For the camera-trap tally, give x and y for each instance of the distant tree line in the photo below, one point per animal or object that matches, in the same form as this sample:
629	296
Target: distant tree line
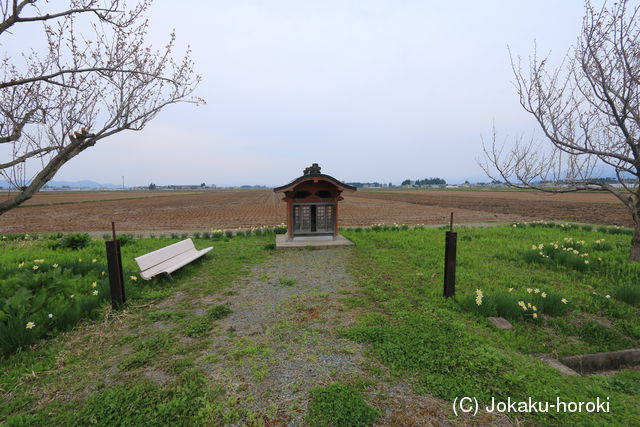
426	181
368	184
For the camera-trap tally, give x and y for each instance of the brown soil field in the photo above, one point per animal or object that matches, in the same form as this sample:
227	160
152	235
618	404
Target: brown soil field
591	207
59	197
223	209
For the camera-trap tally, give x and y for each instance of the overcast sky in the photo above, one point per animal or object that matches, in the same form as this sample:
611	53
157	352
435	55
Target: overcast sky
370	90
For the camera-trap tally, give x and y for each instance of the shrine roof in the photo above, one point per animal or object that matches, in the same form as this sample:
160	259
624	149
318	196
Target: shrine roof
313	174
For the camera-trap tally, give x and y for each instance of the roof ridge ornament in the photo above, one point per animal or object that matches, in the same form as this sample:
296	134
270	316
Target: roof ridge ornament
314	169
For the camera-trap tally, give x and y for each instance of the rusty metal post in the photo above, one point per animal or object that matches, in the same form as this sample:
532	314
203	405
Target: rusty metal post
450	260
114	262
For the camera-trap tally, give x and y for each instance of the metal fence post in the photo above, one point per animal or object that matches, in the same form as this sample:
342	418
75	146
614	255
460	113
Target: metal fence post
450	261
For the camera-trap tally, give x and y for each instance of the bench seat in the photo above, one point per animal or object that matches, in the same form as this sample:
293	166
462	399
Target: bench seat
168	259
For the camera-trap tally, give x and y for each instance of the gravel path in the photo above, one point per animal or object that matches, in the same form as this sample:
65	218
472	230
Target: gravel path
281	341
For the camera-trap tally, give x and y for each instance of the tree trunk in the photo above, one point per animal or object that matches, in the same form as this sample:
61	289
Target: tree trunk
75	147
634	253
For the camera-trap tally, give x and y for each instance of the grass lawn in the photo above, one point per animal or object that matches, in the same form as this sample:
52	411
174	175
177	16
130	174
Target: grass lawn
448	347
53	381
145	365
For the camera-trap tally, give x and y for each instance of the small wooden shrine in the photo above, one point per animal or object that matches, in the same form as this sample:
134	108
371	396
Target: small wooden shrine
312	203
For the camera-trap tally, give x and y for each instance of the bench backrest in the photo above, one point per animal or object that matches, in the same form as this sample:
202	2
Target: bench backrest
156	257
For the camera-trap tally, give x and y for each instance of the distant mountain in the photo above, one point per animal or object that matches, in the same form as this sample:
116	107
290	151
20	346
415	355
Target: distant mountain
84	184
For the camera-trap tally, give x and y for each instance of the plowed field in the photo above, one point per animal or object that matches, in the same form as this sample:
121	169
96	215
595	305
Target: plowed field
205	210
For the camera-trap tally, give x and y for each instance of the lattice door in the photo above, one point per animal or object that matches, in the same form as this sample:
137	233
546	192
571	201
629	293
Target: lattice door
302	219
325	217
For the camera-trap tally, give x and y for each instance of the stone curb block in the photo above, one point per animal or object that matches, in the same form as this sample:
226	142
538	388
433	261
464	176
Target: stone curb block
603	361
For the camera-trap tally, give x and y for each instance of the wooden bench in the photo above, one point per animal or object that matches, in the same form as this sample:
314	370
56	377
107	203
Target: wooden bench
168	259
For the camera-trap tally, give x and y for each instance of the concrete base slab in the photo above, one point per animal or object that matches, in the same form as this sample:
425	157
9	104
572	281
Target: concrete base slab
312	238
318	242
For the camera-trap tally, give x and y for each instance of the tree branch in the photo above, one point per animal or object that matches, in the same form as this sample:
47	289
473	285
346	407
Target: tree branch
47	77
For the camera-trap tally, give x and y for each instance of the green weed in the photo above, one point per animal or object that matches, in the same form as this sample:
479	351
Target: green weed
287	282
340	405
218	312
197	327
136	360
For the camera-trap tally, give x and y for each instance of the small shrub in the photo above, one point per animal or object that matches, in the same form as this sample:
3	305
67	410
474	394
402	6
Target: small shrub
270	246
228	234
206	235
175	236
75	241
615	230
196	235
184	236
629	294
340	405
567	227
620	230
125	239
543	224
586	228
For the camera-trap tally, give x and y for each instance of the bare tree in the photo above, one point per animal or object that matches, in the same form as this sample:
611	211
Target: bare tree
588	111
94	77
